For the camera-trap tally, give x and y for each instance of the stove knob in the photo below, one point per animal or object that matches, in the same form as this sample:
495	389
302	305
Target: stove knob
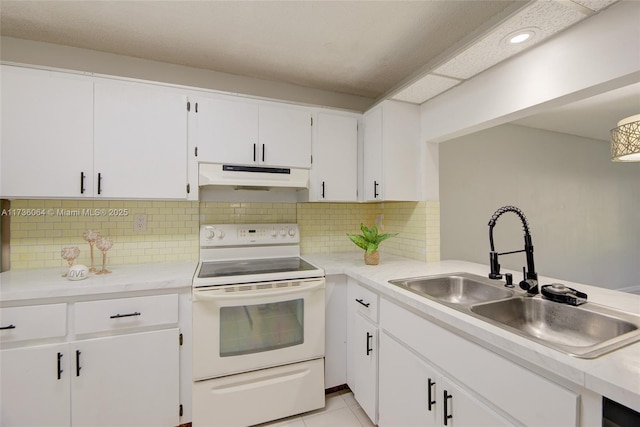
292	232
283	232
274	232
220	234
211	234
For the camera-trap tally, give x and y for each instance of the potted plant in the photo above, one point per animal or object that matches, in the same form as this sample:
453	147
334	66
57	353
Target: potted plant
369	240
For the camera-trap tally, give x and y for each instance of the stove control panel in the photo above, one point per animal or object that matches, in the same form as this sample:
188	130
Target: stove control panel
248	234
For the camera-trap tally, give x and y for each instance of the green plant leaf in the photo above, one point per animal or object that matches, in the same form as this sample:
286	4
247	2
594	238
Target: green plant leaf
359	240
370	239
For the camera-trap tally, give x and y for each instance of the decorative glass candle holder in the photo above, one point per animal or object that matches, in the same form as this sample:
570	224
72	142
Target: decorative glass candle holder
69	254
104	244
90	236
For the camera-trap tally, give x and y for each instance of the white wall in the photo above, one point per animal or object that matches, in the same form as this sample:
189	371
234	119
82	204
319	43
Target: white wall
583	209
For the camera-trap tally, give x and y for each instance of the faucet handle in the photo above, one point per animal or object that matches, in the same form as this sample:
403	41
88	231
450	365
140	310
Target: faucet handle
509	279
495	266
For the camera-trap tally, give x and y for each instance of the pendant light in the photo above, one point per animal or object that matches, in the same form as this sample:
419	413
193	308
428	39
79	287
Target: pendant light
625	140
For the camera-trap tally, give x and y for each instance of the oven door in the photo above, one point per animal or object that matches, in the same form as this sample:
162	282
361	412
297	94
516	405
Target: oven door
240	328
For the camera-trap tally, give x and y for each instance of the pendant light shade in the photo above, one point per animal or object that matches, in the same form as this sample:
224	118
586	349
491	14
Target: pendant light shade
625	140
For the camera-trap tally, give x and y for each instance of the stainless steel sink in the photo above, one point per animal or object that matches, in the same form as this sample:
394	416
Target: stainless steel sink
586	331
455	289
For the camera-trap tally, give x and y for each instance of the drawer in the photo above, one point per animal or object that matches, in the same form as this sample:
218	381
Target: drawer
33	322
365	301
125	313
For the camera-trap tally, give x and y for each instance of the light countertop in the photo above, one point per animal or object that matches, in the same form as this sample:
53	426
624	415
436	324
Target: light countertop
615	375
44	283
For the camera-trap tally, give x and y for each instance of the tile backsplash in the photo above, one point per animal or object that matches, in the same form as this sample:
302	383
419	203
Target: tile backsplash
41	228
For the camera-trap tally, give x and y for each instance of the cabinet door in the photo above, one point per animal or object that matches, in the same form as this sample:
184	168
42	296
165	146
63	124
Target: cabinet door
460	409
126	380
140	141
372	160
408	388
47	134
35	386
284	137
225	131
365	350
336	158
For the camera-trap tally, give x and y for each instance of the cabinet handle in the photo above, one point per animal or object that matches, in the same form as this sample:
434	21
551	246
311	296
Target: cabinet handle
118	316
369	349
323	189
446	414
254	152
375	189
430	385
78	367
60	370
2	328
81	182
99	183
366	304
263	150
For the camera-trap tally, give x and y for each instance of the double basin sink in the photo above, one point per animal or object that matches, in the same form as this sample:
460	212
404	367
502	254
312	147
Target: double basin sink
585	331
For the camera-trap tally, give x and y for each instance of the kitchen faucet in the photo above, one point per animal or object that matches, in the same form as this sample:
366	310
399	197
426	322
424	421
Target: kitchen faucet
530	280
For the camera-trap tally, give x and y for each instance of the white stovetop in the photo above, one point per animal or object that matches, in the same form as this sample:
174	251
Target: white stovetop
615	375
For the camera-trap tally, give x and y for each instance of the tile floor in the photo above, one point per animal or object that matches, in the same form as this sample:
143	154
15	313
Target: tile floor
341	410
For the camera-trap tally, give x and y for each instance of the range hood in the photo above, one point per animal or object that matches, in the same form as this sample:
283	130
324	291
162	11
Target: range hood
251	177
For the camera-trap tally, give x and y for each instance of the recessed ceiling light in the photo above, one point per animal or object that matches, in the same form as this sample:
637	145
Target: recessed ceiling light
520	36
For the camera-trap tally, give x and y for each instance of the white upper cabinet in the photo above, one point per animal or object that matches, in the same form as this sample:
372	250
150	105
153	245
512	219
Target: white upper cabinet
140	141
335	159
47	134
68	135
392	153
284	137
241	132
224	131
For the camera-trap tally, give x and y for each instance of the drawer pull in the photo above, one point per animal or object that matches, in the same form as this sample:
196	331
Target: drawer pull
60	370
366	304
430	385
447	415
3	328
78	367
117	316
369	348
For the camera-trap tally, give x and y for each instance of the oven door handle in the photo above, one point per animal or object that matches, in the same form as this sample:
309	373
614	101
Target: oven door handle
202	294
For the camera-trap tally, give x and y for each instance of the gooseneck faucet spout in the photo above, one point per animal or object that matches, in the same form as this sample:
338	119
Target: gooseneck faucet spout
530	279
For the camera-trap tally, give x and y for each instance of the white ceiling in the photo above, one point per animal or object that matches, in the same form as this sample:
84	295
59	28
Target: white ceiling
406	50
592	117
355	47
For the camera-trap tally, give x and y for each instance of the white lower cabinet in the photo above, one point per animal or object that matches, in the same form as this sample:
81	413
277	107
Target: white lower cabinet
126	380
408	387
365	352
116	364
482	388
413	393
35	386
362	347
